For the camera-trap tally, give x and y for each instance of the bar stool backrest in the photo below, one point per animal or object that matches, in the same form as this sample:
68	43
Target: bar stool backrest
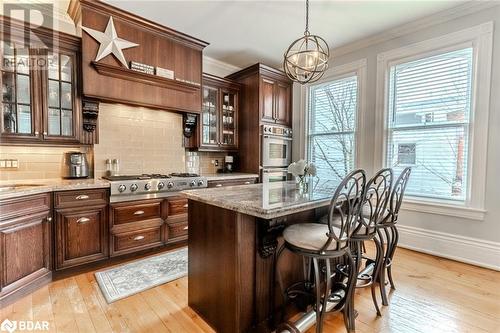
376	198
397	195
346	203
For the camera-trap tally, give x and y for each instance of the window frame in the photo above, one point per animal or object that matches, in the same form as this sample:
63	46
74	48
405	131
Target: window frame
480	39
356	68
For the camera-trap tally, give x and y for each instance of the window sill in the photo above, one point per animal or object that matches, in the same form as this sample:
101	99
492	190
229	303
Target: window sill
443	208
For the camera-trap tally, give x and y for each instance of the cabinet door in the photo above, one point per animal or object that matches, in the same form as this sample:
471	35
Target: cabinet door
19	121
26	249
210	117
81	236
267	99
61	115
282	112
229	119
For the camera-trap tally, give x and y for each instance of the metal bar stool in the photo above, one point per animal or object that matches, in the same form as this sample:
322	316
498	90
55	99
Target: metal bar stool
323	243
390	235
373	211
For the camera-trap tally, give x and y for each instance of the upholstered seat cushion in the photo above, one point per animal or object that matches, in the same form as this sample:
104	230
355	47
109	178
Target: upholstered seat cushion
309	236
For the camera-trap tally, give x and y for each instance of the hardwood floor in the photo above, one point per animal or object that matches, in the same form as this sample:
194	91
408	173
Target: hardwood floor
433	295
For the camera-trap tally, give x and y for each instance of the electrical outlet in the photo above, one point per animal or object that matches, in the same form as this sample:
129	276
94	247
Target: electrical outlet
9	164
216	162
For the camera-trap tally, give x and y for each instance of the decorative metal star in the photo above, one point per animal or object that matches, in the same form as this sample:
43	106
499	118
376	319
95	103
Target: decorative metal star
110	42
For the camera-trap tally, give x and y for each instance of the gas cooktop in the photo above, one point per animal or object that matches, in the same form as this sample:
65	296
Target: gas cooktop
135	187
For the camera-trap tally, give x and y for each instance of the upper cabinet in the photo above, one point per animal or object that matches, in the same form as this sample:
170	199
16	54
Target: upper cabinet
274	93
169	63
218	130
40	88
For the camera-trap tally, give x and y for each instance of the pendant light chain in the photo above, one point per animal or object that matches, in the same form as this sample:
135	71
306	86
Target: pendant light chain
307	18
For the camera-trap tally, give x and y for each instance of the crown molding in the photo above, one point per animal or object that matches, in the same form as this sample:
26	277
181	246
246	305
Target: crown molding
220	66
413	26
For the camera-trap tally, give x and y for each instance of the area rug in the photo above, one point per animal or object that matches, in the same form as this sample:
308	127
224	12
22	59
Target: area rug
129	279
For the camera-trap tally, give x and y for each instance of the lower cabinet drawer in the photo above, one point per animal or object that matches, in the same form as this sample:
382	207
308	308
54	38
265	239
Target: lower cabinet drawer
136	240
177	230
122	214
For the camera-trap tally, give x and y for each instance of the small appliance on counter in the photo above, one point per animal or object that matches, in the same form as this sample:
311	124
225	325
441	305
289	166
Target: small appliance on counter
75	165
228	163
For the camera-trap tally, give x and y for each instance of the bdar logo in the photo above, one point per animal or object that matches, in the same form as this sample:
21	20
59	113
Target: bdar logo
8	326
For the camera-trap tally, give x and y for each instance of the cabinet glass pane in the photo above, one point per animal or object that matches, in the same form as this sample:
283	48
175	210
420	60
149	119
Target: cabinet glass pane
23	61
209	116
53	68
54	123
67	122
66	68
24	120
9	118
228	118
8	61
8	92
66	95
23	89
54	94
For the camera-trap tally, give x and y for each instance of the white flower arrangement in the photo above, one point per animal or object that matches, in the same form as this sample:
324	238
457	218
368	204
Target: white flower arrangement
302	168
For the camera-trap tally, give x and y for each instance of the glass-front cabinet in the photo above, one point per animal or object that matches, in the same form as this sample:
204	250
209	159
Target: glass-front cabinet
17	93
39	94
61	120
219	116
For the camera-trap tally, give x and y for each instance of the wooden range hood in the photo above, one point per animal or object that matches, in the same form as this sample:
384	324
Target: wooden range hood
108	80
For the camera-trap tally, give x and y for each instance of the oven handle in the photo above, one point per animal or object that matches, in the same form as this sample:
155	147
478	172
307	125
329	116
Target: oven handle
277	137
275	170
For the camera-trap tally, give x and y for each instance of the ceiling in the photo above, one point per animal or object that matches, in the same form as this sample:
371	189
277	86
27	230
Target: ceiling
242	33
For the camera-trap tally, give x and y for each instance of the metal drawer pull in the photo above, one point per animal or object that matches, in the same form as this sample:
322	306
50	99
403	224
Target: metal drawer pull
186	206
138	238
83	220
247	183
185	228
139	212
82	197
218	185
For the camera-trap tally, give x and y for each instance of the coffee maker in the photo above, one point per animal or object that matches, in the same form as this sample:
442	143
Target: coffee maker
75	165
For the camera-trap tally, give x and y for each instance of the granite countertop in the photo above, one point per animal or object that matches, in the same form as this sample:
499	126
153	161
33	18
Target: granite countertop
229	176
35	186
264	200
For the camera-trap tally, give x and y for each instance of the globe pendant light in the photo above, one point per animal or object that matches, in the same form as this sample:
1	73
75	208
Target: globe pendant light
306	60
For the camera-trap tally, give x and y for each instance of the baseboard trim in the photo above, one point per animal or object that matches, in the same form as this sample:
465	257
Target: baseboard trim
464	249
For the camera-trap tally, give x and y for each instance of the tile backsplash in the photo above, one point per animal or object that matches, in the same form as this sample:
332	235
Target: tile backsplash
36	162
206	166
143	140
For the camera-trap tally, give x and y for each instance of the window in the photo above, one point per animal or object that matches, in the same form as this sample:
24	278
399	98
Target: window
332	127
429	106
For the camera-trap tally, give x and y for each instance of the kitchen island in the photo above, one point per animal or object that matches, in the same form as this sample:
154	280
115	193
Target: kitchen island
233	236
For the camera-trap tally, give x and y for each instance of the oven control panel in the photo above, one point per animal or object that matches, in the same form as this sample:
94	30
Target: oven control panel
277	130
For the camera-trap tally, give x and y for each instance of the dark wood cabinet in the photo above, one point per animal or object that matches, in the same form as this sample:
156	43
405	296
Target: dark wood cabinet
218	122
176	226
276	101
81	235
41	102
25	240
266	98
283	102
81	227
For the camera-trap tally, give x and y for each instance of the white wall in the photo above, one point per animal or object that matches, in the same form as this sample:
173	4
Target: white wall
459	238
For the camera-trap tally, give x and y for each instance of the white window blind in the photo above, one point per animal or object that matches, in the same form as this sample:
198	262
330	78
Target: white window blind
428	123
332	125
